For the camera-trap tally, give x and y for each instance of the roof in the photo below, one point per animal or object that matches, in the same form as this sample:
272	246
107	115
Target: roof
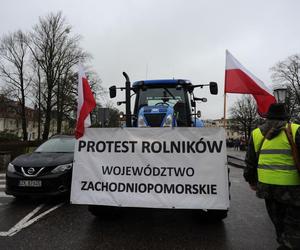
162	82
12	109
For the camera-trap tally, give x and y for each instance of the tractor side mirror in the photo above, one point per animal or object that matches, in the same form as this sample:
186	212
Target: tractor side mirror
193	103
213	87
113	91
198	114
200	99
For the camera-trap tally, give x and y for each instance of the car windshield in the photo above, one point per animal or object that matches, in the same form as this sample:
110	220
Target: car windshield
57	145
154	96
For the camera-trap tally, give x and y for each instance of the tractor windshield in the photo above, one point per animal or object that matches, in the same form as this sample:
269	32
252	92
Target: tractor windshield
161	96
176	98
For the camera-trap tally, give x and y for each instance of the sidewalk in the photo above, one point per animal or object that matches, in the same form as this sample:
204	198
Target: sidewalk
236	158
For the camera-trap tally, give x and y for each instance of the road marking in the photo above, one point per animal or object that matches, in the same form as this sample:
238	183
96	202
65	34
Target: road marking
22	221
2	181
28	220
2	175
2	186
28	223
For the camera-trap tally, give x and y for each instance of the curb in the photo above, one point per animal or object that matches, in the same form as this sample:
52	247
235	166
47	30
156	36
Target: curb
235	161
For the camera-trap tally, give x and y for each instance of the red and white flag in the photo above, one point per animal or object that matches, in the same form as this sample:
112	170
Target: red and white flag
240	80
86	103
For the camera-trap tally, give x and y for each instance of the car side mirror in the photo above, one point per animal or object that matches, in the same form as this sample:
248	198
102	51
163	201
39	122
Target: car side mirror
213	87
113	91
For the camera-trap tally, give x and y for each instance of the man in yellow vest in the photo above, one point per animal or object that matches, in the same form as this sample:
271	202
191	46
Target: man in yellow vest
272	172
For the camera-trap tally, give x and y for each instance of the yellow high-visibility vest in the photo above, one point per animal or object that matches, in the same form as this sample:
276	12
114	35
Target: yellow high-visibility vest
275	161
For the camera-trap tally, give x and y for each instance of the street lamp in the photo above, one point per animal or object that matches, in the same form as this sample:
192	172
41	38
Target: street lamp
280	93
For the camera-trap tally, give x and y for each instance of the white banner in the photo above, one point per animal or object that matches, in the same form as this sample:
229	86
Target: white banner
151	167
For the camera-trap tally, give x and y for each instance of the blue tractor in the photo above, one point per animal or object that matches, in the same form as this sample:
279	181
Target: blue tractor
163	103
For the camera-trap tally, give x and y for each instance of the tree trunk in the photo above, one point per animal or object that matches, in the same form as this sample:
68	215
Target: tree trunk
23	111
39	104
47	123
48	113
24	123
59	114
59	122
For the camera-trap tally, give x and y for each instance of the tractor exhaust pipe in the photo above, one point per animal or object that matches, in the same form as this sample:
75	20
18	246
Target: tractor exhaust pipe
128	100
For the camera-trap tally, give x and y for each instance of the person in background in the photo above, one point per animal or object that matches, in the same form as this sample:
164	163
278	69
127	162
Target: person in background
242	144
237	144
271	170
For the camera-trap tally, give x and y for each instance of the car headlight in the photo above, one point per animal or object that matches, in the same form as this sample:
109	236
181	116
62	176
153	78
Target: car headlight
62	168
168	121
141	122
11	168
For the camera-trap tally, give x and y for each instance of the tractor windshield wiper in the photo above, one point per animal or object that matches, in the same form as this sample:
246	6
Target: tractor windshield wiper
168	91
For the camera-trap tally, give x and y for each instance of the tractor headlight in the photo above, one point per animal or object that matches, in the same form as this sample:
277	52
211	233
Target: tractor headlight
168	121
11	168
141	122
62	168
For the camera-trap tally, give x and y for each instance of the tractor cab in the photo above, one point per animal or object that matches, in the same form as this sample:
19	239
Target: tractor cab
163	103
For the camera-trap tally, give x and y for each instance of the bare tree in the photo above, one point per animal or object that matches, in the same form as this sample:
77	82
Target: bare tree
288	72
56	52
13	64
37	88
245	116
113	116
67	106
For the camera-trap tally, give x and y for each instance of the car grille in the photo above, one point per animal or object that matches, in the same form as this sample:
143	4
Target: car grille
34	170
154	120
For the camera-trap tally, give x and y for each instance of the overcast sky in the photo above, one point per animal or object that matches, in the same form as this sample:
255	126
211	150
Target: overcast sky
172	38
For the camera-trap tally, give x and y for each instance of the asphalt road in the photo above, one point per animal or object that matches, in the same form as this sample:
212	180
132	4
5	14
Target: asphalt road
59	225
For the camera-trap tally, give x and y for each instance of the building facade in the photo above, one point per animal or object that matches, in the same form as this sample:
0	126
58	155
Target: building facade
11	122
230	134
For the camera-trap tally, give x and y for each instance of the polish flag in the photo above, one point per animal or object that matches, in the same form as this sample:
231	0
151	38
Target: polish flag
86	103
240	80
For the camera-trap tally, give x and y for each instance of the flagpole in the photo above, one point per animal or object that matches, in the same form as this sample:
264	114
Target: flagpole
225	97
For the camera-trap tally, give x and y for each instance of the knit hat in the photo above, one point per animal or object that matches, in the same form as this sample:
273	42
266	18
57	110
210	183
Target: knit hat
277	111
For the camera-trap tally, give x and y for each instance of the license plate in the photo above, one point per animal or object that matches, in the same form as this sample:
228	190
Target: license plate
30	183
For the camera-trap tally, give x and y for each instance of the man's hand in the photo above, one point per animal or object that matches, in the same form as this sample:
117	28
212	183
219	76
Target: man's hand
253	187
